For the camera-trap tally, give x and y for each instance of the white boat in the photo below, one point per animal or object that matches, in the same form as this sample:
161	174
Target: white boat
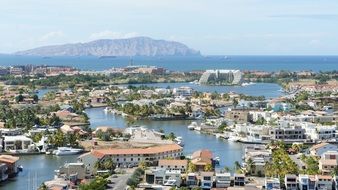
61	151
170	182
192	126
106	110
179	141
247	84
234	138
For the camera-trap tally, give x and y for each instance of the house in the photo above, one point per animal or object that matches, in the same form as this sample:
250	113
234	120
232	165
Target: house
319	149
272	184
328	162
89	160
160	176
223	180
191	180
201	158
306	182
184	91
206	180
323	182
11	163
291	182
19	143
173	164
239	116
294	133
239	179
72	171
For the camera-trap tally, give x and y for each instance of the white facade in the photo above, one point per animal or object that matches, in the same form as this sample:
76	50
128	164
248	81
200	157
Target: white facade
223	180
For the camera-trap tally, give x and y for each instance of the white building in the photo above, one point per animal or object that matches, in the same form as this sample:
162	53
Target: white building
18	143
223	180
231	77
184	91
323	182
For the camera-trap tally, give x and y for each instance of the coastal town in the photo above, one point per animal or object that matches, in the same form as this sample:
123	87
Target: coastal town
288	142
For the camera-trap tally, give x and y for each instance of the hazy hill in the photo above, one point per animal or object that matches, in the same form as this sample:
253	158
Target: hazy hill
138	46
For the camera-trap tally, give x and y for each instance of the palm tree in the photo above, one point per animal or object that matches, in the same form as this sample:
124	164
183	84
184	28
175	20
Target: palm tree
250	166
227	169
238	166
208	168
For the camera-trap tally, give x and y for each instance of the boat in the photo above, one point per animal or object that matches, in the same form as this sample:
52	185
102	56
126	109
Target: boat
179	141
170	182
106	110
192	126
234	138
217	160
20	168
61	151
247	84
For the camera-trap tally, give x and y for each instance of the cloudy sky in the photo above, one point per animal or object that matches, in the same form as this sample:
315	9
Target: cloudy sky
227	27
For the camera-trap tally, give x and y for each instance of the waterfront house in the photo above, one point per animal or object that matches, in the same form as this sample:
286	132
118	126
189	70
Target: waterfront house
323	182
19	143
206	180
201	158
239	179
291	182
72	171
191	180
272	184
293	133
11	163
320	149
321	132
173	164
223	180
306	182
89	160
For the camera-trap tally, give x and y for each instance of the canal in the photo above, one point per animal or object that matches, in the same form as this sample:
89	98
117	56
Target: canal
39	168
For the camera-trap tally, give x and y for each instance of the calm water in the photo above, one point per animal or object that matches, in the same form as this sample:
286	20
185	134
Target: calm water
43	166
228	152
37	169
269	90
266	63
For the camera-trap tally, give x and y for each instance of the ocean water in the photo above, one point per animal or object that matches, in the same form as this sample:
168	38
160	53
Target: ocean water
264	63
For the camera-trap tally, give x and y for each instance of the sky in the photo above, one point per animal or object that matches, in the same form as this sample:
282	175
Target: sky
215	27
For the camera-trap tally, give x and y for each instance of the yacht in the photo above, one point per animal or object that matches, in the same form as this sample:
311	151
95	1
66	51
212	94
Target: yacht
61	151
170	182
192	126
179	141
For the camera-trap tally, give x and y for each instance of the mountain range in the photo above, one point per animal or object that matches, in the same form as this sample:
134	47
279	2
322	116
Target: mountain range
137	46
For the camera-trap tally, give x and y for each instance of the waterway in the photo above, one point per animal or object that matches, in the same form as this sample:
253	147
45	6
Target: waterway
39	168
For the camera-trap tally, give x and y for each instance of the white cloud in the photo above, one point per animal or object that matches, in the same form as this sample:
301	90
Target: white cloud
107	34
51	36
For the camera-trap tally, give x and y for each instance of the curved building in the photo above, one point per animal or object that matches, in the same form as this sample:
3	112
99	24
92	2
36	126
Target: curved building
221	77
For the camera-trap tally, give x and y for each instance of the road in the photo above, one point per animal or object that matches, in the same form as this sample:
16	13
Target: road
119	181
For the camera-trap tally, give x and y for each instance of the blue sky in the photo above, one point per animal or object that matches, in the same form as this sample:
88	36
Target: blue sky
215	27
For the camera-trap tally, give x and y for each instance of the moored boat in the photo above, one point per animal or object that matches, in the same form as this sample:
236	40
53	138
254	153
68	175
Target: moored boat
61	151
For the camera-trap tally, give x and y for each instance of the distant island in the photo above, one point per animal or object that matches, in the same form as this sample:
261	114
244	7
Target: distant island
138	46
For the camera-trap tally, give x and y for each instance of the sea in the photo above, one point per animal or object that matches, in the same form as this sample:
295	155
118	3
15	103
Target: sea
183	63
